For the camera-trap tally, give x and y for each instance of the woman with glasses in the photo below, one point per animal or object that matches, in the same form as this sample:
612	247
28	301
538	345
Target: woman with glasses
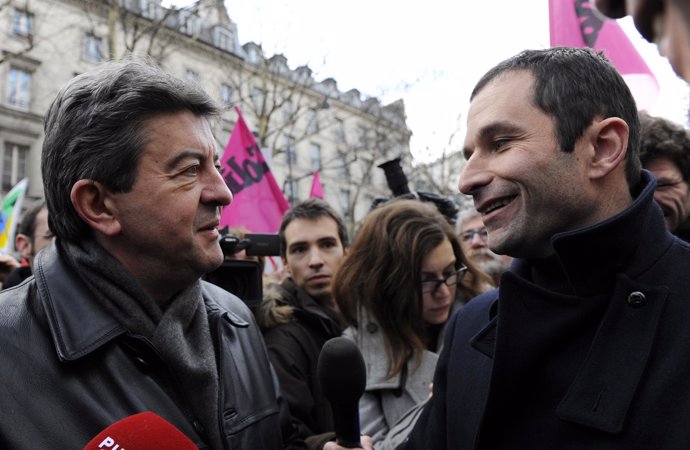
404	275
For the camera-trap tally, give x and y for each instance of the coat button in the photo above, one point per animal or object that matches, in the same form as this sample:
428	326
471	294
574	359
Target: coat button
637	299
372	327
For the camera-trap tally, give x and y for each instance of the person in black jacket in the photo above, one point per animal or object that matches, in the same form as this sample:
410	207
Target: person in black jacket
117	320
585	343
299	315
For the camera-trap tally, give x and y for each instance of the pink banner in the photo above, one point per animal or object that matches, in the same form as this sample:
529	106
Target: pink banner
258	203
316	188
574	23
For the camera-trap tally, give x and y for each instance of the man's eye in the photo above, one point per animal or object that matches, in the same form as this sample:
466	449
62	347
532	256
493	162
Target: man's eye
499	144
192	170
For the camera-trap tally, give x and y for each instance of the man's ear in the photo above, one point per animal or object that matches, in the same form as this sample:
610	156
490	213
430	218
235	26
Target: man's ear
22	243
94	204
609	140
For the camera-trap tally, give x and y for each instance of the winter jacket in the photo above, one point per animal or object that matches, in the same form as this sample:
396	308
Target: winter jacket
69	370
594	357
295	328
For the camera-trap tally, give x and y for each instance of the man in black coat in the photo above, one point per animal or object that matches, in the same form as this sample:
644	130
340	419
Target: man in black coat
299	316
117	320
585	344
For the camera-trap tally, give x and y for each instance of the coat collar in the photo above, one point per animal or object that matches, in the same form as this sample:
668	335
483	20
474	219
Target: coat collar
607	258
591	257
80	325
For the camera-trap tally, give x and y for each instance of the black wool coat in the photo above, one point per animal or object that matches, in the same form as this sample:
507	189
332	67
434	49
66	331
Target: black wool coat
588	350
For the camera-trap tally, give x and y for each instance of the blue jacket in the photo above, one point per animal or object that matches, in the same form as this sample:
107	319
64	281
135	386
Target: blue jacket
589	350
69	369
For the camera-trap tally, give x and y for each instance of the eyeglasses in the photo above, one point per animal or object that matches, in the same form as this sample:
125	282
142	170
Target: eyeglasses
431	286
468	235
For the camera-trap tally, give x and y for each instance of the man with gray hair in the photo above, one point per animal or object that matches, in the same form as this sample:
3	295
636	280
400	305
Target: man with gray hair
117	321
474	240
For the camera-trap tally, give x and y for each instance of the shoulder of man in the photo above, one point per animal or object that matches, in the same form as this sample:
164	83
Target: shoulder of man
217	297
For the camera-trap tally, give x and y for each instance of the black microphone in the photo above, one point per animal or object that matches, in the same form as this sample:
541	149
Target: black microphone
343	377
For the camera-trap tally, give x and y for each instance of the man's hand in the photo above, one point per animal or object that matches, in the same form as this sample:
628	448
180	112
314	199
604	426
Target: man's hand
367	444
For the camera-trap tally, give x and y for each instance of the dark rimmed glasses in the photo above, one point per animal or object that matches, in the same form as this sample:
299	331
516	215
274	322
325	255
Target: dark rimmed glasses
452	279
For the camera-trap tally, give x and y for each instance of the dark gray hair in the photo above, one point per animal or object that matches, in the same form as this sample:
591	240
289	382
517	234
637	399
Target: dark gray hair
96	129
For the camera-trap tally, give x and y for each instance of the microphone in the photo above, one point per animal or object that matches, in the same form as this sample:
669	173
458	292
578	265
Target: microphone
342	375
143	431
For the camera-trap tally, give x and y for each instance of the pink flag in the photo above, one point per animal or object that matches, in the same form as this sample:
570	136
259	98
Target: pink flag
258	203
574	23
316	188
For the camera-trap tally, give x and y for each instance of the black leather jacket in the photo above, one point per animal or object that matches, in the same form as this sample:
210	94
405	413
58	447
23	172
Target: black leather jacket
69	369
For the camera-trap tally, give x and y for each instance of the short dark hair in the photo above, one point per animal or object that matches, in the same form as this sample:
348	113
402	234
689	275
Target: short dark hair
574	86
662	138
27	226
96	128
311	209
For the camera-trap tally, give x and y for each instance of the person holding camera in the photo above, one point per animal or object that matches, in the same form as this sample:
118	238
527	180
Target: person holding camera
298	316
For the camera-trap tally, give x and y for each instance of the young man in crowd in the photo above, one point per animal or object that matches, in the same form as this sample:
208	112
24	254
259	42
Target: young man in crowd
665	151
585	343
299	315
117	321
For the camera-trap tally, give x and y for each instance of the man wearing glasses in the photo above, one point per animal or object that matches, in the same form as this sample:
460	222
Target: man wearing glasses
474	239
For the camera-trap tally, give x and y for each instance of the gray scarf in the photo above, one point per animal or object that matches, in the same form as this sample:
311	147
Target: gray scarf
180	332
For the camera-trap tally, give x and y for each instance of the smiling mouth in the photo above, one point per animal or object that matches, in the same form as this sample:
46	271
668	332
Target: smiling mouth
496	205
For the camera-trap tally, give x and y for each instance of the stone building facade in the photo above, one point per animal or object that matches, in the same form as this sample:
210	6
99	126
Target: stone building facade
301	124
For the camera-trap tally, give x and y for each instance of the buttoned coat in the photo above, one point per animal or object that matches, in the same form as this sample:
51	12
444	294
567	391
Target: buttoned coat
607	359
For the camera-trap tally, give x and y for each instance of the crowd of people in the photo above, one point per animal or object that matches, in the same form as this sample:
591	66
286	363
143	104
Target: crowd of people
553	314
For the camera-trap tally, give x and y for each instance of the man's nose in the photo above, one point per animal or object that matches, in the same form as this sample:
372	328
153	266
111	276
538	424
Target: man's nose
474	175
217	190
478	241
315	258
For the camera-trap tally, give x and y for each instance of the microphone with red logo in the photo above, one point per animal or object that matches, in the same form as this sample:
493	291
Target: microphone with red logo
343	378
143	431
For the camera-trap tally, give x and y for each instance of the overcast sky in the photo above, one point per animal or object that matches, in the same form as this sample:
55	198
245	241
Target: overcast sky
429	54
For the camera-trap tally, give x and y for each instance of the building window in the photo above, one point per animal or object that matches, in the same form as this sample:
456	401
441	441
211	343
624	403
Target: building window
22	24
93	48
288	111
315	156
344	200
224	39
148	8
19	89
312	122
13	164
258	96
291	190
192	76
343	166
190	23
290	151
226	95
340	130
362	133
